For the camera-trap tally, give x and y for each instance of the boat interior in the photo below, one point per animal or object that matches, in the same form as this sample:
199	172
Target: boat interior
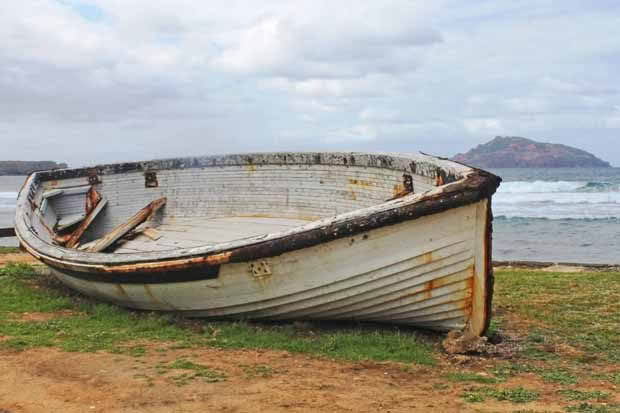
208	203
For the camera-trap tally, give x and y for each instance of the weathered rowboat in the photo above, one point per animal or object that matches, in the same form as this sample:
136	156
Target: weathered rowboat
402	239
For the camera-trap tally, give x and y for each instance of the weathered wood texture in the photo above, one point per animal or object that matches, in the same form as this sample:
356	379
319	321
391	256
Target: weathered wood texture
354	234
74	237
123	229
414	273
180	233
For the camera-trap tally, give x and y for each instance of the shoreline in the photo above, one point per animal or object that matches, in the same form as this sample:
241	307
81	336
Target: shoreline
551	265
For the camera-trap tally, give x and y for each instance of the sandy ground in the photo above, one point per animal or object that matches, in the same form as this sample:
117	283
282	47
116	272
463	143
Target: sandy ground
48	380
17	258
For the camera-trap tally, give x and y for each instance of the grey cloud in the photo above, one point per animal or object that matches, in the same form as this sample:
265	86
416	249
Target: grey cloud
155	79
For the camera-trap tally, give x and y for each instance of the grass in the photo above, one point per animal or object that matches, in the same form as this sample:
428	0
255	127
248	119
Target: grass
97	326
579	395
561	305
559	376
9	250
259	370
592	408
514	395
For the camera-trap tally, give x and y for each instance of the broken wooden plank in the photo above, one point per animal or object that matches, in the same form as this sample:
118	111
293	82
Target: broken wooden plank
86	246
92	199
52	192
69	220
118	232
151	233
74	237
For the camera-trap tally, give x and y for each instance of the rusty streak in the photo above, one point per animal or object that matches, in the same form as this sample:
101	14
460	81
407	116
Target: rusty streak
474	188
141	216
488	262
72	239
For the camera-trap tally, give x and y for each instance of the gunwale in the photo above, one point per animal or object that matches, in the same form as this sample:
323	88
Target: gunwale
463	186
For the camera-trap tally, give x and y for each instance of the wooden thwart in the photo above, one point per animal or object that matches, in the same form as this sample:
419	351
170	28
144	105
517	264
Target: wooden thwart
118	232
74	237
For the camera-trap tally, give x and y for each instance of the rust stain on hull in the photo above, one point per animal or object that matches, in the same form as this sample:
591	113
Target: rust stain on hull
362	183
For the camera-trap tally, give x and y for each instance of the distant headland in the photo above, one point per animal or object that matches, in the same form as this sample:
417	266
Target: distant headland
27	167
516	152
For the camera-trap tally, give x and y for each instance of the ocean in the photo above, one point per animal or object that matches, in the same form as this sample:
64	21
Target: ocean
9	186
558	215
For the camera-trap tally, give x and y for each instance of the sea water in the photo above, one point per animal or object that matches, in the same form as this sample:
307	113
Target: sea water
9	187
560	215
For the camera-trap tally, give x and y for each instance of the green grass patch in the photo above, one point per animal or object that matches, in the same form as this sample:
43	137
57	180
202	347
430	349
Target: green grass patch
515	395
504	371
613	377
581	309
9	250
593	408
98	326
580	395
559	376
344	342
259	370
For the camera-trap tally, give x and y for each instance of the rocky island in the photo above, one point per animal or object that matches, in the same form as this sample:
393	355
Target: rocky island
517	152
27	167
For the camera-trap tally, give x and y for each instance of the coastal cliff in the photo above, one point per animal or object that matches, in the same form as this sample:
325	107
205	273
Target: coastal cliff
27	167
517	152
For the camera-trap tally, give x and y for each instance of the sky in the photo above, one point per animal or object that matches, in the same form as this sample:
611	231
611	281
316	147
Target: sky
116	80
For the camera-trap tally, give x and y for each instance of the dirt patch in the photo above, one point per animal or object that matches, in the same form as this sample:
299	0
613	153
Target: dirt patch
46	380
17	258
38	316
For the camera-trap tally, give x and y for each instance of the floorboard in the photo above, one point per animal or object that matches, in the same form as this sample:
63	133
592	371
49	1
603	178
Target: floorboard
189	232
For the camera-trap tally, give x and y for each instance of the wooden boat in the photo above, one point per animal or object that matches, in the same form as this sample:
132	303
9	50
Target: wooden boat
402	239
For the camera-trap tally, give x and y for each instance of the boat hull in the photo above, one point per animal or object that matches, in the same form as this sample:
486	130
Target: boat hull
431	272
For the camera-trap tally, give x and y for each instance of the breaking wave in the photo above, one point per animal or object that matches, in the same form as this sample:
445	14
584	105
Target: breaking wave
7	200
558	200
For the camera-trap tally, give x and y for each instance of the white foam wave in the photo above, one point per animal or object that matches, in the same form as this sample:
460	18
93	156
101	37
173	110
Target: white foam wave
7	200
558	200
524	187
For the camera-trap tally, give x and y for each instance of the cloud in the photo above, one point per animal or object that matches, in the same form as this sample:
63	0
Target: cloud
125	80
486	126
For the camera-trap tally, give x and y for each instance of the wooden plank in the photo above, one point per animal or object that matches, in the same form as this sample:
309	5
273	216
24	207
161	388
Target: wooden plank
74	238
7	232
118	232
52	192
152	233
66	222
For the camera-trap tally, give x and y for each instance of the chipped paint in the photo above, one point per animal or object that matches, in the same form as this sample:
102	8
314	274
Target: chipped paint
458	186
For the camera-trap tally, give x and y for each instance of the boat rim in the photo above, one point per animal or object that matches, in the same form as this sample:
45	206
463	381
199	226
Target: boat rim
466	185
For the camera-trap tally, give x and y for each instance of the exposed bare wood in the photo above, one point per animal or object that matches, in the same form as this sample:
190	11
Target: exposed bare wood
92	199
7	232
66	222
123	229
74	238
51	193
86	246
152	233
